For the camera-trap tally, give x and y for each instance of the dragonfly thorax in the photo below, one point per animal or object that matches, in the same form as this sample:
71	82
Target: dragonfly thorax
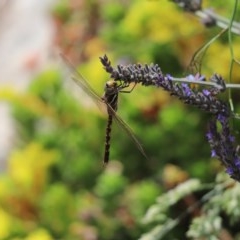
110	96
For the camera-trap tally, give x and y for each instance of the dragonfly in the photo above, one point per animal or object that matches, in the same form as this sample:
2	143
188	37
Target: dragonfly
110	99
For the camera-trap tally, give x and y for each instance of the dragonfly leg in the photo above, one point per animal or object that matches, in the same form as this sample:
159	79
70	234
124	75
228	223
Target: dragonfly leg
128	91
122	85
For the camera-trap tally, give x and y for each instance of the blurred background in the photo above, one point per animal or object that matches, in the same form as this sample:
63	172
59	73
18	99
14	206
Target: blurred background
52	183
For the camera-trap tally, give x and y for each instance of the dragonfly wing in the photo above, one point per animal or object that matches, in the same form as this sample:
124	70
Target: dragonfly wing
91	94
82	83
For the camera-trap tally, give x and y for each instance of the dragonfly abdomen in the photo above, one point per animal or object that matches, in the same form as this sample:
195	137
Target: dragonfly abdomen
107	140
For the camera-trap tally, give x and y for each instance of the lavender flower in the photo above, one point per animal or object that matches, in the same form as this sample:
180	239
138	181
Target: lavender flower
135	73
207	16
204	99
147	75
189	5
222	146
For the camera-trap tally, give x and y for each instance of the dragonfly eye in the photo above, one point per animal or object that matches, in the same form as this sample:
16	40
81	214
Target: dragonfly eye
111	84
111	87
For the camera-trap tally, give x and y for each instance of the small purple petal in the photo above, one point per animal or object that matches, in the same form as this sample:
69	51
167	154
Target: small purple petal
201	78
168	76
190	77
237	162
213	153
231	138
229	171
197	77
209	135
221	118
206	92
186	89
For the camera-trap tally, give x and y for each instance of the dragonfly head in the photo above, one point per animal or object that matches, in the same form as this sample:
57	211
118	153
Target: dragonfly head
111	87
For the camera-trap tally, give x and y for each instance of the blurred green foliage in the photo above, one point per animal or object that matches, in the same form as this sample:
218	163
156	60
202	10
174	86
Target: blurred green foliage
55	186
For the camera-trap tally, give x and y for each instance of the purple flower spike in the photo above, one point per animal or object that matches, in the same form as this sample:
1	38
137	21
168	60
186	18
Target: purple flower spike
222	145
151	75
